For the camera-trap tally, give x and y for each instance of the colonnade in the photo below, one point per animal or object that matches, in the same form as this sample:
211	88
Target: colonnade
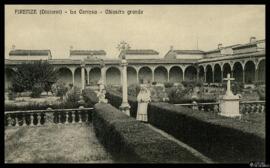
245	70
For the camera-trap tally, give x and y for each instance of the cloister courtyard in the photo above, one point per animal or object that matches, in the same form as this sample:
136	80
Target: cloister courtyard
203	107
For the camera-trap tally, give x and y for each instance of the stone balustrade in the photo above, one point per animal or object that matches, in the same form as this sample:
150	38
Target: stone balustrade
252	107
47	117
208	107
245	106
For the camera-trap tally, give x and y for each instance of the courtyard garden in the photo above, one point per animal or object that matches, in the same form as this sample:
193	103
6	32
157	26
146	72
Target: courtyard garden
62	130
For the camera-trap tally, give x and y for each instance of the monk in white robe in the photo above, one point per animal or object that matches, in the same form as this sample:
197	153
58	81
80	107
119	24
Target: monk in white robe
143	98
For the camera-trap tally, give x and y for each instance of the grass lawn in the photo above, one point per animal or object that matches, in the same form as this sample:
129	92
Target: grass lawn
73	143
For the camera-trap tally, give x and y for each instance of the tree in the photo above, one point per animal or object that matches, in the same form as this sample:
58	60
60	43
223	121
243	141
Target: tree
59	89
34	73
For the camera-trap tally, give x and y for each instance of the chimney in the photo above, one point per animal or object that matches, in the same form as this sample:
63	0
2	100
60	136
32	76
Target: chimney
252	39
171	48
219	46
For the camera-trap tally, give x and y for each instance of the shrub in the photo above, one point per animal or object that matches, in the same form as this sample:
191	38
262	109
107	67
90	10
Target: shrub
190	84
73	97
115	99
90	97
131	141
261	93
59	89
48	87
176	93
199	84
154	83
220	138
168	84
134	89
237	87
11	94
39	106
36	91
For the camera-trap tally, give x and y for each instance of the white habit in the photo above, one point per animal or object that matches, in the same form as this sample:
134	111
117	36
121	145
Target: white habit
143	99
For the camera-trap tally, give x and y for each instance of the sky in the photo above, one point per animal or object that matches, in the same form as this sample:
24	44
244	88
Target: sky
158	28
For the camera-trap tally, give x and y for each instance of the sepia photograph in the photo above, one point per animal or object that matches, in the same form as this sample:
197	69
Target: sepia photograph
134	84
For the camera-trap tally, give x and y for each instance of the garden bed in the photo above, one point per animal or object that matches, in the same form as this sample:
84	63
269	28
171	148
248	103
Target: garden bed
221	139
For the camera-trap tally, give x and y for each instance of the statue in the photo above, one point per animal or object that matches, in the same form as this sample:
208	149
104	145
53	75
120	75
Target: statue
101	93
101	85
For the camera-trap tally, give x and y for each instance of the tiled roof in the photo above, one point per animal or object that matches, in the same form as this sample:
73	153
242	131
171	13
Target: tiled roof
19	52
188	51
87	52
248	44
217	50
141	52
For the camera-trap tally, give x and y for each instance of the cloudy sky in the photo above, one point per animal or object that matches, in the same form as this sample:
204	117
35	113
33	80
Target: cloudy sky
159	27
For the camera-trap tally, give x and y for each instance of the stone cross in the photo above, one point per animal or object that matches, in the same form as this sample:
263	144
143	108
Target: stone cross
228	79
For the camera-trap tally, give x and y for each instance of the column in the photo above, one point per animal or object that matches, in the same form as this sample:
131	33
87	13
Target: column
198	72
256	74
88	76
124	106
83	76
204	73
213	76
243	76
153	75
121	76
73	76
103	74
221	76
137	73
184	73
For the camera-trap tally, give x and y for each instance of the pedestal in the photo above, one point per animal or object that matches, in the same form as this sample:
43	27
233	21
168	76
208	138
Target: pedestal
125	108
229	106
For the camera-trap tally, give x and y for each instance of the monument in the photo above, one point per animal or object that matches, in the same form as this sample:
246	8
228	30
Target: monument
101	93
124	106
229	104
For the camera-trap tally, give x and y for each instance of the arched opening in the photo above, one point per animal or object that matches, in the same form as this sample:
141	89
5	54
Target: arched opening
161	74
94	76
9	74
77	77
226	70
261	71
113	76
131	75
65	75
176	74
209	74
201	73
145	73
217	73
238	72
190	73
249	72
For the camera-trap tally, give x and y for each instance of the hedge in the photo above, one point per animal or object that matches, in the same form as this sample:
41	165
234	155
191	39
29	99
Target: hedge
90	97
115	99
221	139
130	141
39	106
